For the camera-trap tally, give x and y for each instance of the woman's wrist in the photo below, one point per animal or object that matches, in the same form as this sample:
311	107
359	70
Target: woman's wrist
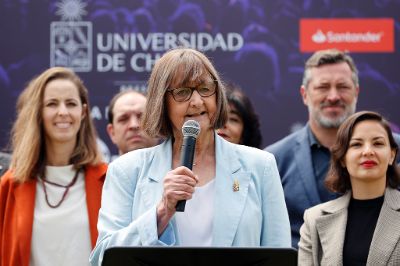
164	215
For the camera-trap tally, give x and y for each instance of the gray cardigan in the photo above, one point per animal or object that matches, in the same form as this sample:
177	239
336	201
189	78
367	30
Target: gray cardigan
323	232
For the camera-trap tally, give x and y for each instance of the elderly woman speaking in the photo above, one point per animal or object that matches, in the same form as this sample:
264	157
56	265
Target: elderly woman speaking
234	194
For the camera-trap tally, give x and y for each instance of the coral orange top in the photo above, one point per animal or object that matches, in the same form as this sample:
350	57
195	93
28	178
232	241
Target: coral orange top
17	203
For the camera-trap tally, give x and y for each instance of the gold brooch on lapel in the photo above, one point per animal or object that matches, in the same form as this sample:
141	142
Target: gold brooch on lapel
235	185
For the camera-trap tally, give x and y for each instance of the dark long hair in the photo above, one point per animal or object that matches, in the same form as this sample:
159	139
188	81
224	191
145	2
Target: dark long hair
338	178
251	135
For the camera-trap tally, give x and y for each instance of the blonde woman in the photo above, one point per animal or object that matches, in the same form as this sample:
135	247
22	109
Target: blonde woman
50	196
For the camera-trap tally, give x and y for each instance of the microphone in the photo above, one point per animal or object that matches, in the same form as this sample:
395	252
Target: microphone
190	130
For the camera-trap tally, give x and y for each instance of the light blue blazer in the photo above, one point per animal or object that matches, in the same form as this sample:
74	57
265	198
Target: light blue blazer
256	215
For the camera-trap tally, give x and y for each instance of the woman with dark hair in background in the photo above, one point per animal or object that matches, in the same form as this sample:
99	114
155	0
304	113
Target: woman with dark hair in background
361	227
50	196
242	126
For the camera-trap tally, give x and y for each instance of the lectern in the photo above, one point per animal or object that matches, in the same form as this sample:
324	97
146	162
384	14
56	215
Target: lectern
196	256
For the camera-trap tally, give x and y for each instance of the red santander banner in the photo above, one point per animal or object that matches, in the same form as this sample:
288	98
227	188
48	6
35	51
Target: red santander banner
354	35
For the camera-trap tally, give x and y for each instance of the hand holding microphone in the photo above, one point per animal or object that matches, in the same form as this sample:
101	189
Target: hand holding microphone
190	131
179	183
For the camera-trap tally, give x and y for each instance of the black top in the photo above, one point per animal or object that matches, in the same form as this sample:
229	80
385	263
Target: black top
361	221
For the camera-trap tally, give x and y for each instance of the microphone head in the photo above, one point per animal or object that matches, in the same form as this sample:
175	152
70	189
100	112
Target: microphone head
191	128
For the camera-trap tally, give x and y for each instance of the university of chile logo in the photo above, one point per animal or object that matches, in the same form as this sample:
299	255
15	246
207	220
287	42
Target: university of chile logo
71	38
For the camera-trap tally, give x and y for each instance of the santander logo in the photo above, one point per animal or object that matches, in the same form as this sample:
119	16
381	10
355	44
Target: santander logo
337	37
319	37
358	35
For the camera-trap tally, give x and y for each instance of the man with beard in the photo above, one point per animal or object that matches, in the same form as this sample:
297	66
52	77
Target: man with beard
124	116
329	89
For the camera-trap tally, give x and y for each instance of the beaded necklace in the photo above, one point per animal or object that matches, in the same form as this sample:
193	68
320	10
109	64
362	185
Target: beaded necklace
44	180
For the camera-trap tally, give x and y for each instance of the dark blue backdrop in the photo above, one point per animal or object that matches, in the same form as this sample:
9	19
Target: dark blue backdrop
268	65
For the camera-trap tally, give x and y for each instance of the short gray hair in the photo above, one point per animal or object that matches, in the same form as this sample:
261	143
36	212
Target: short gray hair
328	57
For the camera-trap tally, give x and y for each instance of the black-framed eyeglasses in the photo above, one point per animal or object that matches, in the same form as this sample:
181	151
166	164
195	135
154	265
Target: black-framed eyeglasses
185	93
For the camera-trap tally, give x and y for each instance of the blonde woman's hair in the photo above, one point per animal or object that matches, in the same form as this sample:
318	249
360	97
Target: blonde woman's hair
175	68
28	137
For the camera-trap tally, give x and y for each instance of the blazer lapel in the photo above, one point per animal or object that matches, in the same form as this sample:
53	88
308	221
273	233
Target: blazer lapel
387	230
151	187
229	203
302	155
331	228
25	205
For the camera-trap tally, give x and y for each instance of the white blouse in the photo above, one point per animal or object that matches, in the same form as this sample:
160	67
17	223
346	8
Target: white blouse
195	223
60	236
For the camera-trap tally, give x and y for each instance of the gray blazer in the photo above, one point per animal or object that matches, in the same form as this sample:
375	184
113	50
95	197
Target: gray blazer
323	232
293	157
